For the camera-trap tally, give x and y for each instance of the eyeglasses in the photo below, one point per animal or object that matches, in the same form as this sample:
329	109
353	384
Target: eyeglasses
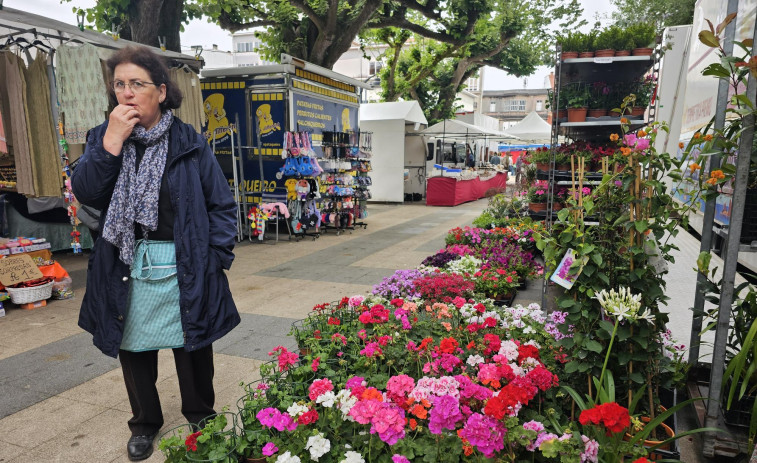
136	86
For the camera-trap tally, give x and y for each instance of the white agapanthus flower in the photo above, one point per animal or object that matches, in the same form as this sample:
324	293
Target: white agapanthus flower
474	360
318	446
287	457
622	304
296	410
352	457
326	399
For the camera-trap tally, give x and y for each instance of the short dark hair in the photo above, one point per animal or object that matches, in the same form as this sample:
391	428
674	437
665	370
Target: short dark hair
154	65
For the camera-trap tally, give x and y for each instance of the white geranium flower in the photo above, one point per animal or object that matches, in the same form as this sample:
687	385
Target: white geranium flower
326	399
296	410
318	446
474	360
287	457
352	457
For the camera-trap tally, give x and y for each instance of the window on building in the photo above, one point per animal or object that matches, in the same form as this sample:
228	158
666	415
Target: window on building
515	105
539	105
492	106
472	84
374	67
244	46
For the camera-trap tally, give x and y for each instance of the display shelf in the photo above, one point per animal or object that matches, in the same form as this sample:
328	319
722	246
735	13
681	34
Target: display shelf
610	69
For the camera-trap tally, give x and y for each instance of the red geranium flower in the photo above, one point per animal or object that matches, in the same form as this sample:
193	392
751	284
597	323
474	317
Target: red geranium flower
191	441
612	416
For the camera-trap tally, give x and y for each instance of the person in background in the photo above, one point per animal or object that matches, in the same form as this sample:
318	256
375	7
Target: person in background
167	231
519	168
506	160
470	160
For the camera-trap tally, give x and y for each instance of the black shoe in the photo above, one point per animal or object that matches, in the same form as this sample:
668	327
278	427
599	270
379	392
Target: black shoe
140	447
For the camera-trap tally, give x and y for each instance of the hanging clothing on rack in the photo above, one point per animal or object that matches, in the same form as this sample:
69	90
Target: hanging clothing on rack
191	110
82	90
3	141
15	83
5	113
43	142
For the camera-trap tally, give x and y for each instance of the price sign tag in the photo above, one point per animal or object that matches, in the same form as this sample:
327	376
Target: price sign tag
15	269
603	60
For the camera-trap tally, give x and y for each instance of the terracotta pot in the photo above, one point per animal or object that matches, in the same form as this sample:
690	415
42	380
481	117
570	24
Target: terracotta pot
642	51
537	207
586	54
604	53
651	442
255	460
622	52
556	207
563	167
542	166
637	111
577	114
597	112
562	113
569	55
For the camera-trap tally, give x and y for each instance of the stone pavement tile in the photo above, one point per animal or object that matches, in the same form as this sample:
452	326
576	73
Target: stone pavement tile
9	451
94	440
34	426
24	336
107	390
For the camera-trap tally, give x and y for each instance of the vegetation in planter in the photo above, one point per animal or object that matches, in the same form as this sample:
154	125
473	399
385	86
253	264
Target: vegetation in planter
632	206
575	41
643	89
644	34
538	192
600	95
610	38
577	95
539	156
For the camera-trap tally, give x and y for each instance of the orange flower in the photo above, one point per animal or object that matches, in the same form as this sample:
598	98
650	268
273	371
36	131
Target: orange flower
447	326
694	167
614	137
413	424
625	150
467	450
712	181
419	411
717	174
641	134
372	394
697	136
623	120
680	144
707	137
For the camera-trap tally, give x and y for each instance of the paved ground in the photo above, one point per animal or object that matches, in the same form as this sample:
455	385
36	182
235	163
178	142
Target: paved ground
61	400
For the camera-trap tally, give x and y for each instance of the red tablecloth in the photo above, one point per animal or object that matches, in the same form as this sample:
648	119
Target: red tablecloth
447	191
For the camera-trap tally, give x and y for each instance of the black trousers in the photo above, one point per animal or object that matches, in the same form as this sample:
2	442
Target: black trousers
195	372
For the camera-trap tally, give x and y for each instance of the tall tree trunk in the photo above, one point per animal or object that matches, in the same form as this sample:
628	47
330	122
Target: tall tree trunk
170	23
144	27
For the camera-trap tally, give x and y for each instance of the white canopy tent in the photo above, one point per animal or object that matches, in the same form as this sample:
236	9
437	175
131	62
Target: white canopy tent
453	130
394	151
532	129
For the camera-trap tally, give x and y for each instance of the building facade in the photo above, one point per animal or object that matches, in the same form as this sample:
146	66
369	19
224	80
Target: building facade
510	106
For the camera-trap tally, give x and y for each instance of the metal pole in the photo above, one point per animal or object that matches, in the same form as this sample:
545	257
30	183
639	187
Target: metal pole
441	160
709	208
729	268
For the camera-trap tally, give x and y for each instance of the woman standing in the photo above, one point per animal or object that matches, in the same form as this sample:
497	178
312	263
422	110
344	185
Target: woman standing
156	276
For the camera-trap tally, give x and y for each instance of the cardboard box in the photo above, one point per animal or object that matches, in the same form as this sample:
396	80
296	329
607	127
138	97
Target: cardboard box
33	305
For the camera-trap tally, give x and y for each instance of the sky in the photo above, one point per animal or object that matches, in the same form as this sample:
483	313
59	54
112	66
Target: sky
494	79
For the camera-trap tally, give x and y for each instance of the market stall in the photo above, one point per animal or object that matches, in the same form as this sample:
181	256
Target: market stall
453	145
52	91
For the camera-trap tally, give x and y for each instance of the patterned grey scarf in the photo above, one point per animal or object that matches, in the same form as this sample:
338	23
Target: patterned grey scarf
135	196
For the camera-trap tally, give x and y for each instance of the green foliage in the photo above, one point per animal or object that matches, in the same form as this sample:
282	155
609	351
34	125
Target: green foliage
577	41
576	95
659	13
612	37
644	34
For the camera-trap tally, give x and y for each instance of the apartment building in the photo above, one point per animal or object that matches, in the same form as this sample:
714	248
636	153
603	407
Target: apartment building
510	106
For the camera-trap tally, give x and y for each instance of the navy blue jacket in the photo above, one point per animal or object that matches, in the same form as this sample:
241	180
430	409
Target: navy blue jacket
204	234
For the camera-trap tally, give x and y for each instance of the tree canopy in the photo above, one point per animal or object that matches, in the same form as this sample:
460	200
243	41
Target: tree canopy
661	13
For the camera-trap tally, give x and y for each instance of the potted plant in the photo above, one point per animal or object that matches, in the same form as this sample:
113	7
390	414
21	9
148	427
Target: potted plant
626	44
537	195
607	41
643	88
599	99
644	35
498	284
541	157
587	46
570	43
577	96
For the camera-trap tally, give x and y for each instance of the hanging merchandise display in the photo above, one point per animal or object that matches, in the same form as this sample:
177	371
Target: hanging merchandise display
15	85
82	93
191	110
43	141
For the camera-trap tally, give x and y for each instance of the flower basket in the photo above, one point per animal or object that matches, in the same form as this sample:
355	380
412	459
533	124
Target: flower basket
171	442
31	294
219	445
